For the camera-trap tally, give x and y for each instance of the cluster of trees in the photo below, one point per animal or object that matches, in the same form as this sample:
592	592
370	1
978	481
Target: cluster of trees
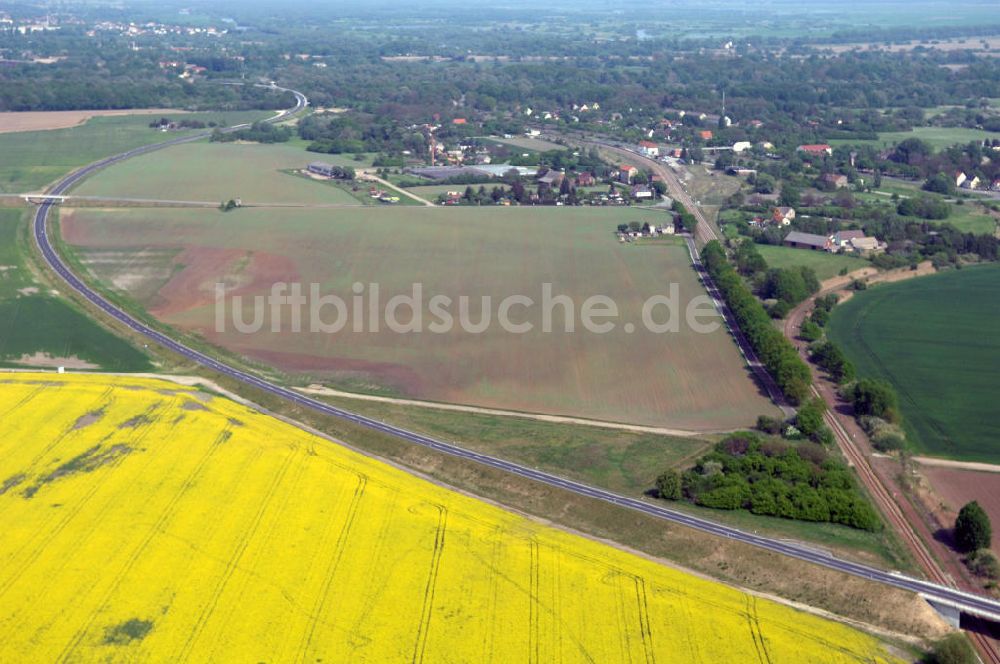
829	357
874	398
788	286
342	172
185	123
774	478
825	353
480	196
915	158
359	132
812	327
777	353
106	74
924	207
809	422
687	220
258	132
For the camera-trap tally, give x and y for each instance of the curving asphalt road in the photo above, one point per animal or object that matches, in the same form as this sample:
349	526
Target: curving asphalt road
968	602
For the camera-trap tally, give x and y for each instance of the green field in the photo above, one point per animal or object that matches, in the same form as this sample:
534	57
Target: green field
40	329
825	264
206	171
972	218
935	338
170	259
33	159
937	137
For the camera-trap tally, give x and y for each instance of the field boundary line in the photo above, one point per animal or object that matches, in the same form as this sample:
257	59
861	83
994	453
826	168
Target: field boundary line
541	417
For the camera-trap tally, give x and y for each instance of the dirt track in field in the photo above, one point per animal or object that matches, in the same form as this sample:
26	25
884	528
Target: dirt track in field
325	391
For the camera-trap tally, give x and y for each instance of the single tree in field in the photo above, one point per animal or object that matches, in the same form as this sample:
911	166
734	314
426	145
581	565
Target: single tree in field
972	528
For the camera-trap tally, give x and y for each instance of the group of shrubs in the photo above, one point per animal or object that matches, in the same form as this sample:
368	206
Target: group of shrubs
772	477
258	132
687	220
776	353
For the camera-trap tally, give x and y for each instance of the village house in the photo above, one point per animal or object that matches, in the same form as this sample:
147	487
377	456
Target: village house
835	180
971	183
841	239
705	135
782	216
552	178
585	180
627	173
817	150
865	246
741	146
960	179
321	168
798	240
641	191
649	149
996	185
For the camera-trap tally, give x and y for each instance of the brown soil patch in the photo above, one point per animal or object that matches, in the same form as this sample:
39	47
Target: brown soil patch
954	487
398	376
244	273
43	360
88	419
43	120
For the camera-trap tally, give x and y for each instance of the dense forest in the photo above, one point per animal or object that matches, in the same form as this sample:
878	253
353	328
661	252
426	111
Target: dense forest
479	67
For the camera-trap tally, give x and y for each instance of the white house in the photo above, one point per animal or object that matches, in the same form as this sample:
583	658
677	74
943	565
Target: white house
971	183
649	149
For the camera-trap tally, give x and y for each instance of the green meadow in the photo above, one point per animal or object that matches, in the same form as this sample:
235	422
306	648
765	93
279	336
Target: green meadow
935	339
33	159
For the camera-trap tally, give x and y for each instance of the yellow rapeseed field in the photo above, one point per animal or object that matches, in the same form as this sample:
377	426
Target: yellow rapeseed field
146	521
